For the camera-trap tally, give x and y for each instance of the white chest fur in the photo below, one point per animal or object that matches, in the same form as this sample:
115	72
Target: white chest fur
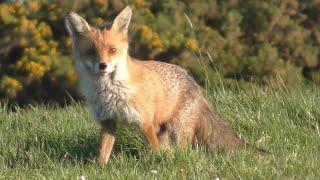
108	98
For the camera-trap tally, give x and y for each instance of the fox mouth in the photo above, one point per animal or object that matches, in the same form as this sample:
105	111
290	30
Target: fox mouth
103	73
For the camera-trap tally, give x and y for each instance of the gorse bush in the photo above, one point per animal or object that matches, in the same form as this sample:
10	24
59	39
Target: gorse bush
31	60
233	43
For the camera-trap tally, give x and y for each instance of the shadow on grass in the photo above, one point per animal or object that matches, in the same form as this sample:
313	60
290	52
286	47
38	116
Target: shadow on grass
81	147
55	148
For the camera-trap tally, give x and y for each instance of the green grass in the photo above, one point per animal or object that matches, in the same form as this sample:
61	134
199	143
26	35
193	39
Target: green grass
61	143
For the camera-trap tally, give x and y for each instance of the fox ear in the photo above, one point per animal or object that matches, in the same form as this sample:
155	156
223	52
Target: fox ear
122	21
76	25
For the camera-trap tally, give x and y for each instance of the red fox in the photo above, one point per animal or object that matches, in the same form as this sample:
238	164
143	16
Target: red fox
159	98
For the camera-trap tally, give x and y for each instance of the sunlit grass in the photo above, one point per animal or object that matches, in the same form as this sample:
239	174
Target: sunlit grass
52	142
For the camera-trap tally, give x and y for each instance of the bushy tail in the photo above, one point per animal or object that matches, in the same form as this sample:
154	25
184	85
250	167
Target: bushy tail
216	134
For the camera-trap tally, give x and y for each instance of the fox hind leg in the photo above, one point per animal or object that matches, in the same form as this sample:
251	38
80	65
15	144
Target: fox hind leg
149	132
163	136
182	126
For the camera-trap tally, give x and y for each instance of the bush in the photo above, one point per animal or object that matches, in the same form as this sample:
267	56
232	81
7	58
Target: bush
240	43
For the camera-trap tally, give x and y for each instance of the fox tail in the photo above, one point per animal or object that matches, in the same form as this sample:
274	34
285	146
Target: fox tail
215	134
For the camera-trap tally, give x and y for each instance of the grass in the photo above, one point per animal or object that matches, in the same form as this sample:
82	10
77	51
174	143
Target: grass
41	142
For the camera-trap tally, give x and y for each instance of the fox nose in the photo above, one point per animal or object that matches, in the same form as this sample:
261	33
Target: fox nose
103	66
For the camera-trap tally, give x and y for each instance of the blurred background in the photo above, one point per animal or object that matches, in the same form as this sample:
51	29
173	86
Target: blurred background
231	43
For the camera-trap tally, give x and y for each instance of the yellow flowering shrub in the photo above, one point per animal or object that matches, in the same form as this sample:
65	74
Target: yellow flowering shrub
259	45
9	86
36	58
30	68
192	44
151	39
34	6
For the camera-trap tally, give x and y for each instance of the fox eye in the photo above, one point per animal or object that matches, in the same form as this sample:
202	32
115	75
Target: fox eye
112	50
91	52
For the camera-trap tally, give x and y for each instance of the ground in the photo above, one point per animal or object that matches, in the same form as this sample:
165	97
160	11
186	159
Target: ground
53	142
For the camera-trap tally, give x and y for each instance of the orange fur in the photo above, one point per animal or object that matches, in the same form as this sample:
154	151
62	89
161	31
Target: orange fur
159	98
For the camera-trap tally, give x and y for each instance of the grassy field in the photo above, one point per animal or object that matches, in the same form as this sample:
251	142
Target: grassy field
60	143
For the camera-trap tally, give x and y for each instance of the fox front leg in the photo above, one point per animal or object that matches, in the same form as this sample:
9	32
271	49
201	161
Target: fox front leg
107	138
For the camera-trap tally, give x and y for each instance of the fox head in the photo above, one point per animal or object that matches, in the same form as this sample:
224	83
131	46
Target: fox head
99	50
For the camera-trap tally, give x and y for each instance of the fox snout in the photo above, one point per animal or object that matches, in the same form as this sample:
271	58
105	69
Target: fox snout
97	68
103	66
